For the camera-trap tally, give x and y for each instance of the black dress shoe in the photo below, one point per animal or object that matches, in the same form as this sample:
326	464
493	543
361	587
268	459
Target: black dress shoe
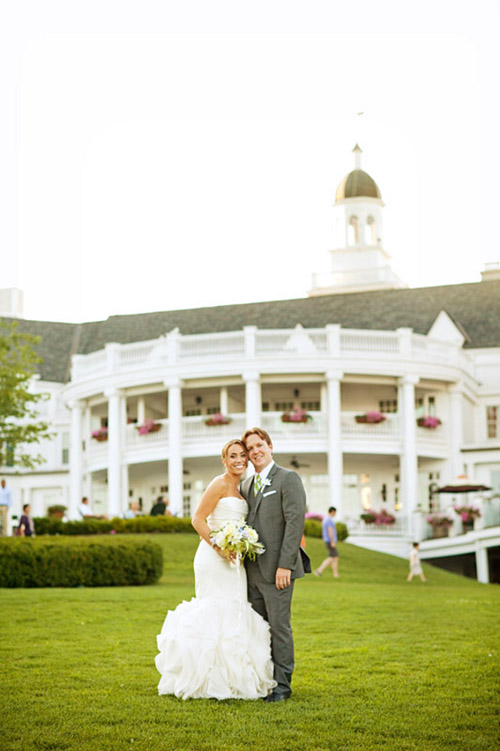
277	697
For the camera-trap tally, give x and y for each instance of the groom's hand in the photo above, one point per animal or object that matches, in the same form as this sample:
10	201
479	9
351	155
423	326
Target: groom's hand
283	578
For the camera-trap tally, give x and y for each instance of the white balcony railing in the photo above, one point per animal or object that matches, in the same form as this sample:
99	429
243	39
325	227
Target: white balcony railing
251	345
315	427
134	440
194	428
389	428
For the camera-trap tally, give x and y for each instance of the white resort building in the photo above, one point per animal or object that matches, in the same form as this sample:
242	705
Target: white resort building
309	371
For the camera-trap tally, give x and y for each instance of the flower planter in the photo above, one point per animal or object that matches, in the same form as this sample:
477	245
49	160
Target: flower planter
145	429
440	532
468	526
217	422
100	438
430	423
290	418
372	418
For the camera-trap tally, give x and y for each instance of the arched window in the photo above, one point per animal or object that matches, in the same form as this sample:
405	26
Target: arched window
353	231
370	231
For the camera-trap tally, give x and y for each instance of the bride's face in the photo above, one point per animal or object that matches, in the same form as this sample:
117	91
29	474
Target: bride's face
236	459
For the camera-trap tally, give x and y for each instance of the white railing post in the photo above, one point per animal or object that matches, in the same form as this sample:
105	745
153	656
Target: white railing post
112	351
333	339
173	346
405	341
455	430
250	333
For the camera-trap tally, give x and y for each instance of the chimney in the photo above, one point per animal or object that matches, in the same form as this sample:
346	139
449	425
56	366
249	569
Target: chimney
11	303
491	271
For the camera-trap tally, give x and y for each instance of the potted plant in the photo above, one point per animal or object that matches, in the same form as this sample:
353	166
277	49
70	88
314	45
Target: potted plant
384	519
428	422
218	419
467	514
440	524
372	417
149	426
368	517
296	415
100	435
56	511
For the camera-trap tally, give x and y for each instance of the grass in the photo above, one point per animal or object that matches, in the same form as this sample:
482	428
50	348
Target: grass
380	665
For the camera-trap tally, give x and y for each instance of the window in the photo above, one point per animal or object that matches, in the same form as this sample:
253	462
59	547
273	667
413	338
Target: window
265	406
213	410
370	234
311	406
65	448
192	412
353	231
283	406
431	407
492	422
419	407
389	406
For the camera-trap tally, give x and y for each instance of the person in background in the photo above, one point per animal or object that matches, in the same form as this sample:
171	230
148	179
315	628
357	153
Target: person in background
85	510
132	511
415	567
159	507
330	539
5	504
26	527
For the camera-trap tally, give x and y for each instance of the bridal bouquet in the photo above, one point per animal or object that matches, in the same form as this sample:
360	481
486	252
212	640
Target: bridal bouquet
239	538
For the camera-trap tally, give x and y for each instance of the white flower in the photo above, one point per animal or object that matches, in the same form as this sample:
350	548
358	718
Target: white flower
266	483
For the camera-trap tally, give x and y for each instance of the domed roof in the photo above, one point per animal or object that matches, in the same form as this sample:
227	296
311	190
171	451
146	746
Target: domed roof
357	184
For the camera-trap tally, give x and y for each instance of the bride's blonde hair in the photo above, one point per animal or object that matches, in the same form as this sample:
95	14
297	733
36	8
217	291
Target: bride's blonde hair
225	448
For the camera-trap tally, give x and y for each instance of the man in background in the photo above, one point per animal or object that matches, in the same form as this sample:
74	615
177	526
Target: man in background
329	533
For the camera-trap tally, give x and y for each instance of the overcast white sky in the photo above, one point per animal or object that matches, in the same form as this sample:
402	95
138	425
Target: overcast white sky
159	155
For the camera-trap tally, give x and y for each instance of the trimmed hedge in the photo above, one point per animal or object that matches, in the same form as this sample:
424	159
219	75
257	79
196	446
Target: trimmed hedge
139	525
64	562
313	529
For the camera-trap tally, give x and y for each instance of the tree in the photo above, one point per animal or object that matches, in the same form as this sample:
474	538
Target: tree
19	423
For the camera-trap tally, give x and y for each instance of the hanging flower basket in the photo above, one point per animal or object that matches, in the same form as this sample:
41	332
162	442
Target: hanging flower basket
372	417
100	435
428	422
440	524
296	415
467	513
380	518
149	426
218	419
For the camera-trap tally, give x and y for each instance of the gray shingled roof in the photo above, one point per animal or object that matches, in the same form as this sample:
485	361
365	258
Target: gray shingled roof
474	307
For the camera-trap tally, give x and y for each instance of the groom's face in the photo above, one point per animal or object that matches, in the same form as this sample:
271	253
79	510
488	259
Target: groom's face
260	453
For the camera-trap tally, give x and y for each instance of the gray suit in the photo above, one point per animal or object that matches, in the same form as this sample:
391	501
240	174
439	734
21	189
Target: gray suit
277	514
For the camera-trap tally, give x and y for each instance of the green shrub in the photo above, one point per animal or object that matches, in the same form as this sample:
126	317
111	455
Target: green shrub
139	525
312	528
64	562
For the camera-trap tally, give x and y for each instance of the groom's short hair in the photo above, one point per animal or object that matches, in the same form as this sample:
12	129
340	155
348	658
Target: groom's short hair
257	431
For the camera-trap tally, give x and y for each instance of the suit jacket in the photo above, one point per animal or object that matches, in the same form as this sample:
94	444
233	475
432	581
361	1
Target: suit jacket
277	514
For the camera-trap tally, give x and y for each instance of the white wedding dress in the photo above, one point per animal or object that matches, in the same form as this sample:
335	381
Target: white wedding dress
216	645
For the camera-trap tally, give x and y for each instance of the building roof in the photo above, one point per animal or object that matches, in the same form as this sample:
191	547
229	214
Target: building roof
357	184
474	307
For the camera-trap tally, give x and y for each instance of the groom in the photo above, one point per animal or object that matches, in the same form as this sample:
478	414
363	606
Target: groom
277	505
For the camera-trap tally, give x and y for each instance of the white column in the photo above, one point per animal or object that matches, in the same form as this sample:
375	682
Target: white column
175	483
483	573
335	459
456	431
124	485
75	460
252	399
114	451
223	400
409	458
141	410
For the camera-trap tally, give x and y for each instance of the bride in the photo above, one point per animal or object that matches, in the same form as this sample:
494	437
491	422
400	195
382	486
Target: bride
216	646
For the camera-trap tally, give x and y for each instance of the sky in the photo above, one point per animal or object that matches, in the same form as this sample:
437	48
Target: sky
160	155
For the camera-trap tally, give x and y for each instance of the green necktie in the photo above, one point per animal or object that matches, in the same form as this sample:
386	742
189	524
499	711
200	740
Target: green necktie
257	485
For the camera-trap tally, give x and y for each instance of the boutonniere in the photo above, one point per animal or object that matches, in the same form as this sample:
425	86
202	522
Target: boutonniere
266	483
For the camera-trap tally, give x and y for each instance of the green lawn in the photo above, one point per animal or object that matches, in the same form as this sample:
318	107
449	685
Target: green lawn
380	664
